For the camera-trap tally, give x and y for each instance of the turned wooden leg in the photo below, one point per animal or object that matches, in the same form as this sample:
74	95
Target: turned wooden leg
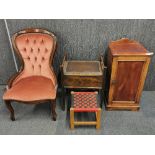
71	118
98	125
10	108
53	107
63	99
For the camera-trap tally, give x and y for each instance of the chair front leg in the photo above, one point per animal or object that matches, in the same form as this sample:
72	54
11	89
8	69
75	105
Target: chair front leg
53	107
10	108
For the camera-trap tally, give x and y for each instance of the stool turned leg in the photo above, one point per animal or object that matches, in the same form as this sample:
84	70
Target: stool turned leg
98	117
72	118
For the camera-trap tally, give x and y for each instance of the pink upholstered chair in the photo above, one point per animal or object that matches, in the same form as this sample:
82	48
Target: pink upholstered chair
35	82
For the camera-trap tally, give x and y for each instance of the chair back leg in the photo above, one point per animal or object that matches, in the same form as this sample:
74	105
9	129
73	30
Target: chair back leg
53	107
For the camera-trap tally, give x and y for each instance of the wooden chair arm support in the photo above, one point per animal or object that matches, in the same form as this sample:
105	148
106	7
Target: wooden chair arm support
12	78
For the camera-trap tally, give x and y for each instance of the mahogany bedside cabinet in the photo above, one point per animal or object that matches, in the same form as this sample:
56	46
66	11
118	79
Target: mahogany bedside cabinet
81	75
128	63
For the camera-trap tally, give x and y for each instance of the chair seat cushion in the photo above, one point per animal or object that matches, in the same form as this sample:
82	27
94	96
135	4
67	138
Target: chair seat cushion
33	88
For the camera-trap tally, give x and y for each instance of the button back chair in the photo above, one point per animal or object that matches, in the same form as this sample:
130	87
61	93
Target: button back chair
36	81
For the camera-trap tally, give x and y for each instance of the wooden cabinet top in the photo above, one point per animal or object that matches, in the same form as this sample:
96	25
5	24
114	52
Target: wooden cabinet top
125	46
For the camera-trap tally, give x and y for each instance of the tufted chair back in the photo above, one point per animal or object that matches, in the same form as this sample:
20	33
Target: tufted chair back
36	48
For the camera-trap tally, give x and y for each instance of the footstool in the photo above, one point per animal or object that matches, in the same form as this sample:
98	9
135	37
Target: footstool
84	102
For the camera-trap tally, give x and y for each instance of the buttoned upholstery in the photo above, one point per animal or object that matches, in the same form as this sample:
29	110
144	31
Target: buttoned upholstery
35	49
37	80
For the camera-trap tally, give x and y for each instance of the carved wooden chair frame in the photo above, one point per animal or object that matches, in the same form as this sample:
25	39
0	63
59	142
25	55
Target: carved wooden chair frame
10	81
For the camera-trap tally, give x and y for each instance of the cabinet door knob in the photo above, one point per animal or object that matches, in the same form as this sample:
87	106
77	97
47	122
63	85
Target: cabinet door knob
113	82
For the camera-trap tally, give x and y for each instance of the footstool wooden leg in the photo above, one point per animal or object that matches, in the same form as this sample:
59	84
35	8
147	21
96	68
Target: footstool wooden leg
72	118
98	117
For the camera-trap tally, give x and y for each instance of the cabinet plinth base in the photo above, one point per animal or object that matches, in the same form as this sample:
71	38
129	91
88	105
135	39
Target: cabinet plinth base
127	107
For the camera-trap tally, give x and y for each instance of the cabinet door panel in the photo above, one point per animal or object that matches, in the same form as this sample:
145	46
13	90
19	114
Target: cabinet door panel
127	80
